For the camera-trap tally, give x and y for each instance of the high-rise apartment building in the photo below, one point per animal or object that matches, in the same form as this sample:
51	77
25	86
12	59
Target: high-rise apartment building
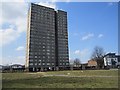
47	39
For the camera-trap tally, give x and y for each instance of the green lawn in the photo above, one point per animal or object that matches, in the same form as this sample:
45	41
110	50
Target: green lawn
85	73
102	79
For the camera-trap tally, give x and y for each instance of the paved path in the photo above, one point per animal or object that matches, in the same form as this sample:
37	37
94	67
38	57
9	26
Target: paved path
78	76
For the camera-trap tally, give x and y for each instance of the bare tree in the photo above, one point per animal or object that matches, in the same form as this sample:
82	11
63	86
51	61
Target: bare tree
77	62
98	54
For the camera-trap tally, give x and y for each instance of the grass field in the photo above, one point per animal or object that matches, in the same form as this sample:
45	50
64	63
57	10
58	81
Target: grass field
62	79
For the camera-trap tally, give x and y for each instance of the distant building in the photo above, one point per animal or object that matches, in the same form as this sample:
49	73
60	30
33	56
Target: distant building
118	57
111	60
17	66
84	65
7	67
47	39
12	68
92	63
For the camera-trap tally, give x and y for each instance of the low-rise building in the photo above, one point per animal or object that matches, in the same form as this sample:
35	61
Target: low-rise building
92	63
17	66
84	66
111	60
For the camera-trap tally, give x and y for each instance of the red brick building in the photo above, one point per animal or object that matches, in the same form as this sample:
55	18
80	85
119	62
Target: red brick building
92	63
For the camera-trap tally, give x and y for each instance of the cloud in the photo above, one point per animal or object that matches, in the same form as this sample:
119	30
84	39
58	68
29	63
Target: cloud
14	15
88	36
53	1
12	11
20	48
68	0
8	35
51	4
82	52
77	52
75	34
110	3
100	35
13	1
13	60
20	60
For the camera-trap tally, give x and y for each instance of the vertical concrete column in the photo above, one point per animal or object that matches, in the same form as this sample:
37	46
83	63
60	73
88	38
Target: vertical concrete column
57	68
41	69
33	69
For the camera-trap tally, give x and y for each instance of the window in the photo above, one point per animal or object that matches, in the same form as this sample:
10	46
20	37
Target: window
43	56
35	56
31	60
48	56
31	63
31	53
48	53
48	50
48	37
67	63
52	57
48	63
31	56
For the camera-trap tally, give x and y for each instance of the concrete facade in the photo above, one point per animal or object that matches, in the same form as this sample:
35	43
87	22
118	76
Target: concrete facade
47	39
62	39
